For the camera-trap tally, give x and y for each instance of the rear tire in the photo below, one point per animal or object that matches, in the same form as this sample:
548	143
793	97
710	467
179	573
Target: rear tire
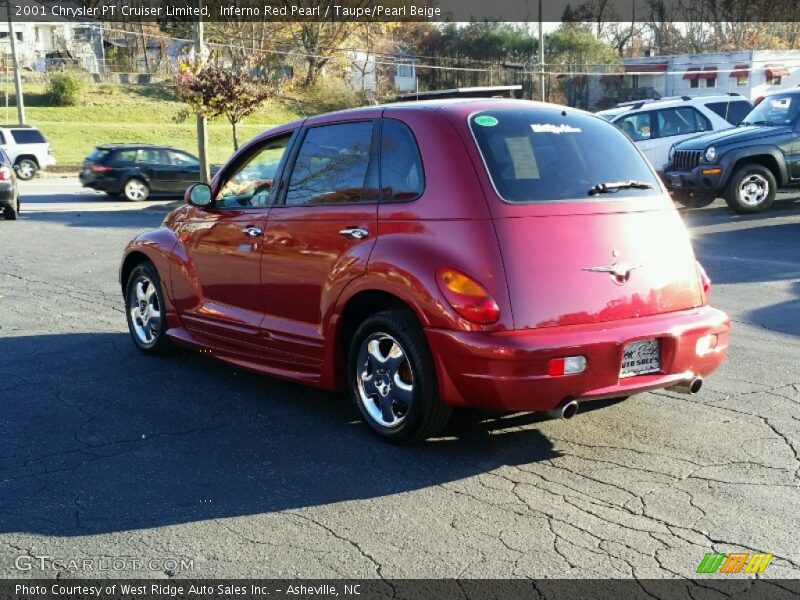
135	190
693	200
751	189
26	169
146	312
12	213
392	379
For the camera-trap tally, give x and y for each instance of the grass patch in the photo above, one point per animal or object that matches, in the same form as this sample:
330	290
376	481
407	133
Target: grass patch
139	113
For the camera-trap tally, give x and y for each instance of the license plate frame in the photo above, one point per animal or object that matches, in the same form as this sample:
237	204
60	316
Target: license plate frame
641	357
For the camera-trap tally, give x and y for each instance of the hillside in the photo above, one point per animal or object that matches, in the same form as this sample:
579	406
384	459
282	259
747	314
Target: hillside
143	113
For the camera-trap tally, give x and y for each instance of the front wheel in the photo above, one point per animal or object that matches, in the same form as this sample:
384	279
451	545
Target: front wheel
135	190
145	310
392	380
751	189
693	200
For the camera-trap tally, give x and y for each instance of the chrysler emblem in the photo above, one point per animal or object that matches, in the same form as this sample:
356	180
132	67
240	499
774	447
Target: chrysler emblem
620	271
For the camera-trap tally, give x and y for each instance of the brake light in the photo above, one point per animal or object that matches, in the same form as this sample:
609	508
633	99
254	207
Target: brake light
705	282
5	174
467	297
100	168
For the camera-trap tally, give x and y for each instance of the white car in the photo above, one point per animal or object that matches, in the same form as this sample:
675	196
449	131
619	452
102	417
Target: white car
655	125
27	149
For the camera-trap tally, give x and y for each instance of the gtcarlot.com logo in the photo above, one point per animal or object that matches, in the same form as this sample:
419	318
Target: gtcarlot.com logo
27	562
735	562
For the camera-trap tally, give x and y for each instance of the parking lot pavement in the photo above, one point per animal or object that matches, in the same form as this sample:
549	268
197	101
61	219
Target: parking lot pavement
107	453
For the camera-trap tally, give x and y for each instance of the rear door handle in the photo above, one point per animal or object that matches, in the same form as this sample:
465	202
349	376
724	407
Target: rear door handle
253	231
354	233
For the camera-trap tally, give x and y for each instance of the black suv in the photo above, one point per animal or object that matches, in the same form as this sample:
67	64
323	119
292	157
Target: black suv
137	171
747	164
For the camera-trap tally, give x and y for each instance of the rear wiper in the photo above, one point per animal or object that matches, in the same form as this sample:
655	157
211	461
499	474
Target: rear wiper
613	186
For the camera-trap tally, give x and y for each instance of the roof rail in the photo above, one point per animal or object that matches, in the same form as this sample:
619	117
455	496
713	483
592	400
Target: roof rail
686	98
638	105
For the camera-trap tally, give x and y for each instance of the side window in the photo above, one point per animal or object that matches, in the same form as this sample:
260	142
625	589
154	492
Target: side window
401	165
638	126
733	112
681	121
123	158
2	139
180	159
251	183
150	156
331	166
27	136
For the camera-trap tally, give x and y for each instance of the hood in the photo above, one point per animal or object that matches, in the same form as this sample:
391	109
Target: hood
735	135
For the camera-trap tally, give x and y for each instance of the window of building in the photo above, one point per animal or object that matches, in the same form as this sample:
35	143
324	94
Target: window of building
405	69
710	83
694	83
741	81
774	79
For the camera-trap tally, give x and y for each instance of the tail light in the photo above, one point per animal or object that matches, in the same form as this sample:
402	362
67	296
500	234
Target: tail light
467	297
705	282
100	168
6	174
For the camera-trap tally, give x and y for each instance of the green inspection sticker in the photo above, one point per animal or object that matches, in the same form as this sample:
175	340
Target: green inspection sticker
486	121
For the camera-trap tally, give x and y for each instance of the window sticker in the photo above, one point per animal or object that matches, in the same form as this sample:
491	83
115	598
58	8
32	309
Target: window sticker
486	121
550	128
522	157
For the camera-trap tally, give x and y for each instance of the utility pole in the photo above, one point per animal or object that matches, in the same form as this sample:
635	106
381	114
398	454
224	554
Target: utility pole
541	53
202	134
15	63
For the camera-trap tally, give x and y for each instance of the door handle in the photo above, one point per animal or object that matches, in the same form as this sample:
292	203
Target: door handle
253	231
354	233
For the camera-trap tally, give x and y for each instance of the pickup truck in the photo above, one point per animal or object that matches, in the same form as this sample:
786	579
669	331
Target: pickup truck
745	165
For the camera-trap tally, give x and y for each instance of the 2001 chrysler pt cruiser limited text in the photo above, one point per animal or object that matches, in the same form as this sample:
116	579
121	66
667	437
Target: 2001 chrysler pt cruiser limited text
497	254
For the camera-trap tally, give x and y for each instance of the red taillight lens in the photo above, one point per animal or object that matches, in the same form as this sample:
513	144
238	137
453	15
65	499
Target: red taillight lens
705	282
100	169
467	297
5	174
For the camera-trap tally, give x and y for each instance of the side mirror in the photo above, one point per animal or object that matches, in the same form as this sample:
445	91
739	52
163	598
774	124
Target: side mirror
198	195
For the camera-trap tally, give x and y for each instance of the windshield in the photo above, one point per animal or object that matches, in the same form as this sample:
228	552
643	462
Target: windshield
536	155
780	109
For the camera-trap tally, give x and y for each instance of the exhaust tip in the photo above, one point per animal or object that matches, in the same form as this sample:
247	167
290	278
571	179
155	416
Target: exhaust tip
690	386
566	410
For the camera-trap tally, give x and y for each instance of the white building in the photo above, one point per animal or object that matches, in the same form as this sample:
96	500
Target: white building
751	73
43	46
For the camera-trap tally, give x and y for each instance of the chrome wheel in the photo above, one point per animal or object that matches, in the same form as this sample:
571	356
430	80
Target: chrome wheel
384	380
753	189
144	306
136	190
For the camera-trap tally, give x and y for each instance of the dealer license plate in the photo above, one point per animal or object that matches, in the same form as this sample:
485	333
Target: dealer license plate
640	358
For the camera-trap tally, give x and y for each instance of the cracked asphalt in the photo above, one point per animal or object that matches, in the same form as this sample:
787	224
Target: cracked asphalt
107	453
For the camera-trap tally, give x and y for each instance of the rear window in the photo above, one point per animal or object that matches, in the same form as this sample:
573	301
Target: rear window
27	136
733	112
542	155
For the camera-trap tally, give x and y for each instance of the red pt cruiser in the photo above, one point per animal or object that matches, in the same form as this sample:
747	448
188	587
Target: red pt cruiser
497	254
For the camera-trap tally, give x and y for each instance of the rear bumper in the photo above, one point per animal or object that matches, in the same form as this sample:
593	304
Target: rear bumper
109	185
508	370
